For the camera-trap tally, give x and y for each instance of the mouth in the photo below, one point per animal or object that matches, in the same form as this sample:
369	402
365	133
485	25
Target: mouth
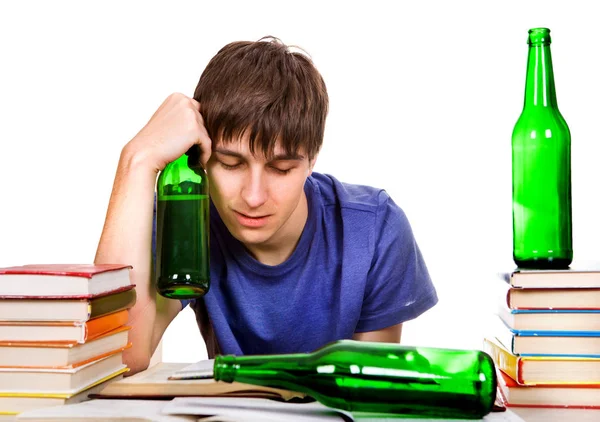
251	221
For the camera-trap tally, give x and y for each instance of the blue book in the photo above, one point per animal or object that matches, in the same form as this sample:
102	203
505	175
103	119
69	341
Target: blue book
558	322
547	343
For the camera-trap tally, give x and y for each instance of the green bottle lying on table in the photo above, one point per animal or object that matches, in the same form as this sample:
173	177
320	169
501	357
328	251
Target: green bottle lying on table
376	377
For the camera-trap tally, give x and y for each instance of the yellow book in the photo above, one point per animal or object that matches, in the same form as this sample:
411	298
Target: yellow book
533	370
14	403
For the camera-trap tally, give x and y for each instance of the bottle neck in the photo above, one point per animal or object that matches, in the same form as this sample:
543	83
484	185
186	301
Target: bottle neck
539	86
225	368
231	368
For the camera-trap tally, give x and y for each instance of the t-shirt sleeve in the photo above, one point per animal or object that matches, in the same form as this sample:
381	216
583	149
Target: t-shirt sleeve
184	302
398	285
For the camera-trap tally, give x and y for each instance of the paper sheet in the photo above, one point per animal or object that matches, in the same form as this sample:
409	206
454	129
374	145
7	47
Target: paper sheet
226	409
507	416
253	410
197	370
103	410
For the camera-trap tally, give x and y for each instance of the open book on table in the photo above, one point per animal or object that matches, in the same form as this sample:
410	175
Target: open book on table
218	409
155	383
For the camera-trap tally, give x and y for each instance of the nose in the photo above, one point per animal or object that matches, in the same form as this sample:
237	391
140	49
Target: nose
254	191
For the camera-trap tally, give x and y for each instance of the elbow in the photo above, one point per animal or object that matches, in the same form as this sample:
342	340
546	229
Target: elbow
136	362
135	367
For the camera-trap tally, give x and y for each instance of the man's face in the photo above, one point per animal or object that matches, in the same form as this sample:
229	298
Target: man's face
258	199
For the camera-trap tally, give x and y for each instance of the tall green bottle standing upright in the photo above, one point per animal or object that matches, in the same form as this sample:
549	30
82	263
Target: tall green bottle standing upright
376	377
182	228
541	168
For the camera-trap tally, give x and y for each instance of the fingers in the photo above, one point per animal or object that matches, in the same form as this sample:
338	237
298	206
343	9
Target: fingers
203	138
169	103
196	104
205	145
179	123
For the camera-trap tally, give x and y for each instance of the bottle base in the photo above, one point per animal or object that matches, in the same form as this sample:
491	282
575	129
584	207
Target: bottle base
544	263
184	290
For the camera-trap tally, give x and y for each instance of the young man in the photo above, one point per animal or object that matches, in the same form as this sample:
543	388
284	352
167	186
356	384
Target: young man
298	259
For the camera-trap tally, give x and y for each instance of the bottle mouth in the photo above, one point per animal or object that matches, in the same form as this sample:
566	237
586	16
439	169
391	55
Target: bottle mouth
224	368
539	36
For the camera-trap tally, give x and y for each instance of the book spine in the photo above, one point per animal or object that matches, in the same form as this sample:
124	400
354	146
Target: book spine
505	361
98	326
504	335
549	406
519	371
539	333
554	311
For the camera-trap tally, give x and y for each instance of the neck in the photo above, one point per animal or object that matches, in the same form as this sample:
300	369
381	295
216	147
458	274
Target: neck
539	88
283	243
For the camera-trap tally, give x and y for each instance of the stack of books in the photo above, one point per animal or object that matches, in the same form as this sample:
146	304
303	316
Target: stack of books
62	332
546	339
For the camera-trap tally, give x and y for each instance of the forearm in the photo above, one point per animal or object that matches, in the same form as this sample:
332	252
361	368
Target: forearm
127	235
126	239
386	335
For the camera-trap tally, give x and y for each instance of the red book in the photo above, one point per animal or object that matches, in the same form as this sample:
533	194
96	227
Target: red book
62	280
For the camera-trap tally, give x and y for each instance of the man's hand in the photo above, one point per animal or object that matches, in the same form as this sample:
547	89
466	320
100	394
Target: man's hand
127	235
175	127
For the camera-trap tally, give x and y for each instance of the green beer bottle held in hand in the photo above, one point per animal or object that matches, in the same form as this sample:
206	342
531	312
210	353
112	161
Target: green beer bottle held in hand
541	168
376	377
182	229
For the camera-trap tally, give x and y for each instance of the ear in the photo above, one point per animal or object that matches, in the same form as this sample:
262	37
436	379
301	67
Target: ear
311	165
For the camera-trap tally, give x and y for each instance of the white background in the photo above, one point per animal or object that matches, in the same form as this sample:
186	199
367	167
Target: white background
424	96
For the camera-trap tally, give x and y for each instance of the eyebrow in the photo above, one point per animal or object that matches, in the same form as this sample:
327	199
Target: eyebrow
277	157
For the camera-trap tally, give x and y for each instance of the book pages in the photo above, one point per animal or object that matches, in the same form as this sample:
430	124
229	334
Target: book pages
105	410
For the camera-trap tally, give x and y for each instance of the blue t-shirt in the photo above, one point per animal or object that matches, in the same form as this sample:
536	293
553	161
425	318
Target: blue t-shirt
356	268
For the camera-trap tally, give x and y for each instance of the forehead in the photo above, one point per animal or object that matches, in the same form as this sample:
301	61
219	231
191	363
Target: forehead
241	146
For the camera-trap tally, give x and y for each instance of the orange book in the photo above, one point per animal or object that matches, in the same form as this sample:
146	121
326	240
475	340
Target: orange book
62	354
76	331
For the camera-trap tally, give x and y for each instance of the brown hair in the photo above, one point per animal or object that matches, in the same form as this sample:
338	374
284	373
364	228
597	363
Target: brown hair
266	90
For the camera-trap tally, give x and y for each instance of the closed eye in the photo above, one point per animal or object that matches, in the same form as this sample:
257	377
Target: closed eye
230	166
281	171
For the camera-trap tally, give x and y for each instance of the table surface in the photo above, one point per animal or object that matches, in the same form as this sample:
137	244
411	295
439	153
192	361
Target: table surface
526	414
530	414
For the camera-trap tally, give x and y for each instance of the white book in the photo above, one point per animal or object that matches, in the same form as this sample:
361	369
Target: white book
58	381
